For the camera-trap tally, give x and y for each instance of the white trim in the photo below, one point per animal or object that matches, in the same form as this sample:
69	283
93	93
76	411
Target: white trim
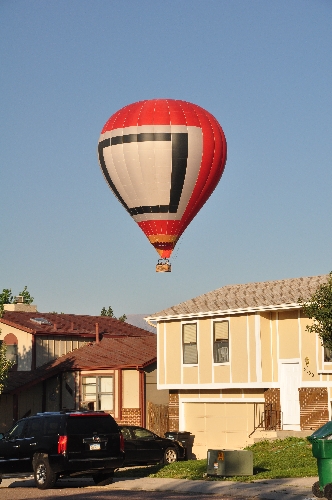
278	339
258	348
222	385
165	354
225	312
300	338
222	400
248	346
187	365
271	348
325	372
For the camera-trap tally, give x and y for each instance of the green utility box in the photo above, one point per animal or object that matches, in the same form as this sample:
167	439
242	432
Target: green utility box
321	441
229	463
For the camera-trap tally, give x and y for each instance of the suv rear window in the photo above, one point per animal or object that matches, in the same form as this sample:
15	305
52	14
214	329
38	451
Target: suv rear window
82	424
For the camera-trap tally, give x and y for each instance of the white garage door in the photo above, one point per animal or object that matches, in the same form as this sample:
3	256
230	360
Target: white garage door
219	425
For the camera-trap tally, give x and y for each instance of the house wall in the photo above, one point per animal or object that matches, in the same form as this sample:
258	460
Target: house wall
49	347
257	344
30	401
274	363
24	346
6	412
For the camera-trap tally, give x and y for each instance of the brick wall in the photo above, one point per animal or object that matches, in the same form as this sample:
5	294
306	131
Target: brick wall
313	407
130	416
173	411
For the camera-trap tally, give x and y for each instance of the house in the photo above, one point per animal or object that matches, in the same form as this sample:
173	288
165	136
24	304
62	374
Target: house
239	364
65	361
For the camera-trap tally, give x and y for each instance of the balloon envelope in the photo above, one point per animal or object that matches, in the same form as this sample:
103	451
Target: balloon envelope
162	158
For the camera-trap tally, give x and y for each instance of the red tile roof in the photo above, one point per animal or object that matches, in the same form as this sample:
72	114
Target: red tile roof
109	353
70	324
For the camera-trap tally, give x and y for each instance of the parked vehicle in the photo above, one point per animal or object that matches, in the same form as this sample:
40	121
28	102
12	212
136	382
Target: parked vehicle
144	447
67	443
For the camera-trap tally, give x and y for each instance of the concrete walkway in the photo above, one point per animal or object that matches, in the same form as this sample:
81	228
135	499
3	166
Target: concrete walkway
271	489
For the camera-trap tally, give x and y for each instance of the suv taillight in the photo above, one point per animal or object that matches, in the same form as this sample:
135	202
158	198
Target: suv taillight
121	442
62	445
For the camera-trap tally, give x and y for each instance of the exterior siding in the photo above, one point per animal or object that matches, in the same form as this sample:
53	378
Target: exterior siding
238	349
173	346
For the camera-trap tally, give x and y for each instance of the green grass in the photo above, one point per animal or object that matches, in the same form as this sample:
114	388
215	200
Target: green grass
290	457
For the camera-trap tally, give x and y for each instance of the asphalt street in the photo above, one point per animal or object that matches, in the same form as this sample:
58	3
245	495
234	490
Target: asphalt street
155	488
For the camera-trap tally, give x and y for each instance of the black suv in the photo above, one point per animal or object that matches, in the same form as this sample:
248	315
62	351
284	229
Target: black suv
53	445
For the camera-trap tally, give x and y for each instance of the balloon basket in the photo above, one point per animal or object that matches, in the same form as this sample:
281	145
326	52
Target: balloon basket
163	266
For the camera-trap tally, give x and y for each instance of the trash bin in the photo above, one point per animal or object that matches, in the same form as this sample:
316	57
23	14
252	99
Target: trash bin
229	463
185	438
321	441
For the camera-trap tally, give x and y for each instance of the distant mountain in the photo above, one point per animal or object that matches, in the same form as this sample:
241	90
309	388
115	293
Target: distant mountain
138	320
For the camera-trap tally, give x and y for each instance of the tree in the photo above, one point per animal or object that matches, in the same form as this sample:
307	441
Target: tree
5	365
109	312
6	297
26	296
319	308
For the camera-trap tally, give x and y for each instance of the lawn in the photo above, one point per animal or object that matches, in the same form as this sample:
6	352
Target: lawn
290	457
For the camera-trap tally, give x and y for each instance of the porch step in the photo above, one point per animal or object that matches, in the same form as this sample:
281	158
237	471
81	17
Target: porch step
270	435
299	434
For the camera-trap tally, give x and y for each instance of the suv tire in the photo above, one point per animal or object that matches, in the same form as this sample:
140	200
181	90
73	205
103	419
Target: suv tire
103	479
44	476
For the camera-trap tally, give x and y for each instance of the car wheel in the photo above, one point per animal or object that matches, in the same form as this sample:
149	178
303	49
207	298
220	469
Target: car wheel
316	491
0	479
170	456
44	476
103	479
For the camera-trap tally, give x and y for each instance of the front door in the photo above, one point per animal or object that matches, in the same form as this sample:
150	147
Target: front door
290	377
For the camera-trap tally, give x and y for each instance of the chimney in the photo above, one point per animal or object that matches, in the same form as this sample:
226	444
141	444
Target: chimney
97	333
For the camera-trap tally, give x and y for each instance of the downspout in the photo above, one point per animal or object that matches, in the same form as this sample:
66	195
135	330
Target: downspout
120	396
142	396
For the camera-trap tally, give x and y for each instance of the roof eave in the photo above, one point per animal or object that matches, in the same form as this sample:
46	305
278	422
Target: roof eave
225	312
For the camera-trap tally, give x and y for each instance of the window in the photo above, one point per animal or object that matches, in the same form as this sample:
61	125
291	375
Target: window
327	355
220	342
98	392
189	337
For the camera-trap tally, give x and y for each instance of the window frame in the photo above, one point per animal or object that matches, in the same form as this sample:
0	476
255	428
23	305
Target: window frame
98	393
223	343
183	325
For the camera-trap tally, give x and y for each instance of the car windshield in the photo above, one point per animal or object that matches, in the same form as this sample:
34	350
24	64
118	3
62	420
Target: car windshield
142	434
16	431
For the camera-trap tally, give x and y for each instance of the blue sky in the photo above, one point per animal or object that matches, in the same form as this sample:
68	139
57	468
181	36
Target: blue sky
263	69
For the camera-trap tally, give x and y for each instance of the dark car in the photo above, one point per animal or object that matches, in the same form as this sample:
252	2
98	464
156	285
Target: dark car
144	447
58	444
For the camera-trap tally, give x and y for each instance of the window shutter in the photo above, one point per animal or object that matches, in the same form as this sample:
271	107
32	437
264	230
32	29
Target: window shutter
221	331
189	333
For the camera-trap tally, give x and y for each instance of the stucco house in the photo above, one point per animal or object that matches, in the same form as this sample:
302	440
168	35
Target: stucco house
239	364
65	361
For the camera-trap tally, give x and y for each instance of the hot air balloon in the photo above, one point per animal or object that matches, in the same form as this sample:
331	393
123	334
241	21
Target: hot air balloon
162	158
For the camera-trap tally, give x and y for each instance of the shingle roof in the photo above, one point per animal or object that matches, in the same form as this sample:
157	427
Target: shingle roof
109	353
70	324
250	295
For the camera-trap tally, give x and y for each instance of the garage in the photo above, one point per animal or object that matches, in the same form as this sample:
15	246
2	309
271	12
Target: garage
219	425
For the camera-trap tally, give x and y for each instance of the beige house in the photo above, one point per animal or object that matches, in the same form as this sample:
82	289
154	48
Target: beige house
239	364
